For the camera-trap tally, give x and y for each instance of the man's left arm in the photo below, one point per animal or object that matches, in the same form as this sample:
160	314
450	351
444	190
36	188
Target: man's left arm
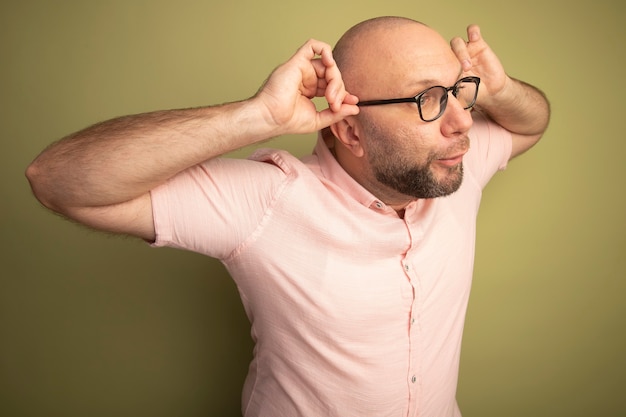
513	104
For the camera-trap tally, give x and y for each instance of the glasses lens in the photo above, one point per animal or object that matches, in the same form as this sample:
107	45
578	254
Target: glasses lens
465	92
431	102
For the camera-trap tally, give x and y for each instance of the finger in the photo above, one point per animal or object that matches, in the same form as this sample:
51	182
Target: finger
312	48
320	69
319	56
341	97
351	99
328	117
330	88
329	81
335	88
473	33
459	47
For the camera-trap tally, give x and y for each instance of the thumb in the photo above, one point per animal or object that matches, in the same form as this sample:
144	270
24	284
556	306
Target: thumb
328	117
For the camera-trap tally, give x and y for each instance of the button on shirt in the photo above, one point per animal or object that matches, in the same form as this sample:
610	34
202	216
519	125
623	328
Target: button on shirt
354	311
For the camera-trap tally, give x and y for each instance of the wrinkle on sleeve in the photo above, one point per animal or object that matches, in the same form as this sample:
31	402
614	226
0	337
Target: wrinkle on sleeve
213	207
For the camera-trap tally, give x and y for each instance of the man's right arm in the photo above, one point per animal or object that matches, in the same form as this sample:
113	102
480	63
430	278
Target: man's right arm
102	176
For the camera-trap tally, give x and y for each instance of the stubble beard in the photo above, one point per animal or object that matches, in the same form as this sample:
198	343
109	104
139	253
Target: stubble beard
412	179
419	181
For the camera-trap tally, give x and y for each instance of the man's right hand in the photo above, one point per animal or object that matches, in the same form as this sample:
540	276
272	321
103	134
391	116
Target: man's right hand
287	94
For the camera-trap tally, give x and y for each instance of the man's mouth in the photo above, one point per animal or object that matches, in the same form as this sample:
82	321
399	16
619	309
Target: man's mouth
455	158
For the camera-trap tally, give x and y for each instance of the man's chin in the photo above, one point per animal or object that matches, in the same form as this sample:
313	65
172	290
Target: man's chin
450	183
428	183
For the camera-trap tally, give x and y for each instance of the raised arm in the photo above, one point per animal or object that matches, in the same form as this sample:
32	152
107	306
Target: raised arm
101	176
513	104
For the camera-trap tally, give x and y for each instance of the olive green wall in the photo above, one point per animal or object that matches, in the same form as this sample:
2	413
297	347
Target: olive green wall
93	325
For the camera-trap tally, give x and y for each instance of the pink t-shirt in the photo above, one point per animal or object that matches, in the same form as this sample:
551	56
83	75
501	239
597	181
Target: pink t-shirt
354	311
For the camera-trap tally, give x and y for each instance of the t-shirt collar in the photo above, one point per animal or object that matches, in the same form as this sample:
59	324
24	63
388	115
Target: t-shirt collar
334	172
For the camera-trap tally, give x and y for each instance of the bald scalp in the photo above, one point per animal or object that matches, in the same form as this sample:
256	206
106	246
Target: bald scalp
355	45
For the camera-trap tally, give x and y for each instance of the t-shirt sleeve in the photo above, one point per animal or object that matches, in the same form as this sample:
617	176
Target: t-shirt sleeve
212	208
490	149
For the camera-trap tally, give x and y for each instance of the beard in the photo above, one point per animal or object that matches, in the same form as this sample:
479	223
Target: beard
395	169
418	181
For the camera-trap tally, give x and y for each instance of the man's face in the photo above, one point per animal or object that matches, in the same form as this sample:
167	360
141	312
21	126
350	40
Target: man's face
405	154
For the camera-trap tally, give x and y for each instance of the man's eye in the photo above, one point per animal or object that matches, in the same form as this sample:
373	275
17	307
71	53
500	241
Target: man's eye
428	99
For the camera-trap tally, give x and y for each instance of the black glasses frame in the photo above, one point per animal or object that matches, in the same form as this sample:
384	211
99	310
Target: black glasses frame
416	99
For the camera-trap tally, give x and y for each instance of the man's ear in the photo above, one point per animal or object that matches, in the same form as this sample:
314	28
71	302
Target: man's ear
347	132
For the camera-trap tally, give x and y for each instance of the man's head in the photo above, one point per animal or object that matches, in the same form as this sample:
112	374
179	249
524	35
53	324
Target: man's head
389	149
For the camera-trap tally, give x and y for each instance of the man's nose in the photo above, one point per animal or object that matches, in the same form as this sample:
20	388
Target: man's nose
455	120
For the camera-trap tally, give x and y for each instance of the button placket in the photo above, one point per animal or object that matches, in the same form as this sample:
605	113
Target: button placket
412	272
414	334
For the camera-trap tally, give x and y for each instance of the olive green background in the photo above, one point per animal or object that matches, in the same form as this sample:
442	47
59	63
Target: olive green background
97	325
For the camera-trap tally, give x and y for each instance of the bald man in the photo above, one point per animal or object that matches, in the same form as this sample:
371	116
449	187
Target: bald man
354	264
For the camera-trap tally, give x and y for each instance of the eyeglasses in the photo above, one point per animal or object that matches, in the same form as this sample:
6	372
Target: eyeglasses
432	102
